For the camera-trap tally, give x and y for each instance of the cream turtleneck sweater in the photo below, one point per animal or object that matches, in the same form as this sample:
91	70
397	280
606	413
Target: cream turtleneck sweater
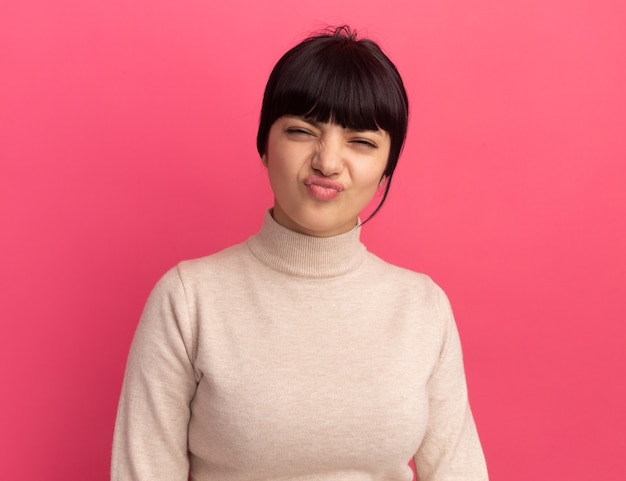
295	358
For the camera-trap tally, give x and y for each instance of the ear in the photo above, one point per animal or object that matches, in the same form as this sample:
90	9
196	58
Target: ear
264	160
383	179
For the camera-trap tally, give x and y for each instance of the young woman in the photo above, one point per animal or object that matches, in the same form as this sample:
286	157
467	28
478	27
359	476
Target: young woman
299	355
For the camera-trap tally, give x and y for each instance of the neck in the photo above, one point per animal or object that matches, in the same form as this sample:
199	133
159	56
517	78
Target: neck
303	255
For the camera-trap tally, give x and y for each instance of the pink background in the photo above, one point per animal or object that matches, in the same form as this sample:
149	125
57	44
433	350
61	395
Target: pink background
127	133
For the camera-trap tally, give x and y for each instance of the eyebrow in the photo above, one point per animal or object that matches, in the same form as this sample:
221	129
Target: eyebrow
310	120
318	125
377	131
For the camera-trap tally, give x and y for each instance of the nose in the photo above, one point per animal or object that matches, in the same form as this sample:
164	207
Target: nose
327	159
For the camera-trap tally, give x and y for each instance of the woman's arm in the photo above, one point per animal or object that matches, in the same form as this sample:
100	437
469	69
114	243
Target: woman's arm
450	450
150	441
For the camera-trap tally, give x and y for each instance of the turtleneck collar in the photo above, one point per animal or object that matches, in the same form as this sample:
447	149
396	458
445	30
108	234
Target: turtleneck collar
306	256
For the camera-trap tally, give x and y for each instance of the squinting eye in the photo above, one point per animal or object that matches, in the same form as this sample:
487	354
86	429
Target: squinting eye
299	131
365	143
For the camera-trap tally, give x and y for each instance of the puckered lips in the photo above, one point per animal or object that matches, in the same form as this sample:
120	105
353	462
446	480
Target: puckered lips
321	188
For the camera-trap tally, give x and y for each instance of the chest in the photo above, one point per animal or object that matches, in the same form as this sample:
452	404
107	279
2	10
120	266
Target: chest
300	378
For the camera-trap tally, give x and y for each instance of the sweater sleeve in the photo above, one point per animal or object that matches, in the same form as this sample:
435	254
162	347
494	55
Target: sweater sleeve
150	440
450	450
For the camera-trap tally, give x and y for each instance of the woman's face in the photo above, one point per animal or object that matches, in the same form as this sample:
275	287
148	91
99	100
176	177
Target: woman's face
323	175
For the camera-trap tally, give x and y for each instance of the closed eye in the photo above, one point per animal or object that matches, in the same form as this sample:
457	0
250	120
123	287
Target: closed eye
298	131
365	143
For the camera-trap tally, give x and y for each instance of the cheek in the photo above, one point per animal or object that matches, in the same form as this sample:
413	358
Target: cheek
277	166
280	175
371	178
283	163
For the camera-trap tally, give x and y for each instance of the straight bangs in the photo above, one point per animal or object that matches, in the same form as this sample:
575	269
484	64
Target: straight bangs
340	89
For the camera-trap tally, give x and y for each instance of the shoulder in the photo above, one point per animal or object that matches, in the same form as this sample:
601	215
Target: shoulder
192	277
401	278
414	297
227	258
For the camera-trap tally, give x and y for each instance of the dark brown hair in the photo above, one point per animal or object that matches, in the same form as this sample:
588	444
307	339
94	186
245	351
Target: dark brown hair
334	76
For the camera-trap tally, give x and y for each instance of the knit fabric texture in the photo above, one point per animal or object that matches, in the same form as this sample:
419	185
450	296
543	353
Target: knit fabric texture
295	358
